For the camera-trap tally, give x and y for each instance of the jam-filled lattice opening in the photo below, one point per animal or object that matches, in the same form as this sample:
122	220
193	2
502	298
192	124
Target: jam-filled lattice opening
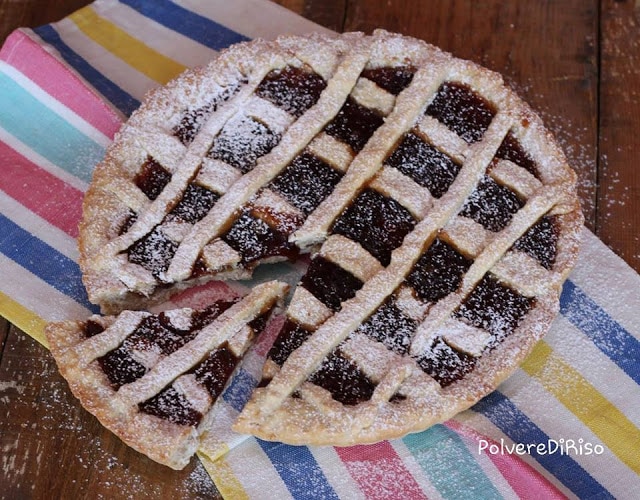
424	163
346	382
495	307
463	110
354	124
306	182
293	89
152	178
291	336
194	205
171	405
540	241
330	283
242	141
120	367
393	79
438	272
511	149
214	371
254	239
390	326
127	221
153	252
492	205
92	328
444	363
377	222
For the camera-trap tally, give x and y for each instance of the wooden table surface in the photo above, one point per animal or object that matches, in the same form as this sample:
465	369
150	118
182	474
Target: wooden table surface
577	62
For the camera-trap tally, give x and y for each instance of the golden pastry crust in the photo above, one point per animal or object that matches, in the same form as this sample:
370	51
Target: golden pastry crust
441	216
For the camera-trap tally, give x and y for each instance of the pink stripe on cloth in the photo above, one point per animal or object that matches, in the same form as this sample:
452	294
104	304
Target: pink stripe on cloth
525	481
268	336
379	472
201	296
32	60
40	191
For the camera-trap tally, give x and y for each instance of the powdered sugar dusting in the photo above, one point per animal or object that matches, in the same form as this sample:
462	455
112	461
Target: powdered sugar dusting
575	140
51	429
247	136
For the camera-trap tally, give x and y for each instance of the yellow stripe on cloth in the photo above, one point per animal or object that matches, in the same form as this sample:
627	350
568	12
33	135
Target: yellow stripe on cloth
23	318
137	54
223	477
606	421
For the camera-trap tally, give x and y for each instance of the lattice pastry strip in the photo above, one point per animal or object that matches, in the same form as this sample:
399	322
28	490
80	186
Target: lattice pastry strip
153	379
365	165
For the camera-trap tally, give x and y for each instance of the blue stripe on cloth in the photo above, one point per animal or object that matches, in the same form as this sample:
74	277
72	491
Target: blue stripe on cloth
446	460
605	332
45	262
239	390
188	23
51	136
116	95
299	471
520	429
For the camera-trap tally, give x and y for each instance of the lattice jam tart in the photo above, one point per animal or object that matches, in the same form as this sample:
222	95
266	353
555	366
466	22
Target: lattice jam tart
440	216
152	379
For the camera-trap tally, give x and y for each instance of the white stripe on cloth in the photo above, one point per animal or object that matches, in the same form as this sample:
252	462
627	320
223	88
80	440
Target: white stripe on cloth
609	281
241	17
37	295
157	36
40	228
41	161
112	67
559	423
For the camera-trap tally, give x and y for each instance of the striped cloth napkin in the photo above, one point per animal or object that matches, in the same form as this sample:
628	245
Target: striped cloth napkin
567	424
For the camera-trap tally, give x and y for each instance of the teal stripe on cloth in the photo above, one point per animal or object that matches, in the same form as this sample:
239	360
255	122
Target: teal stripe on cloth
46	132
449	465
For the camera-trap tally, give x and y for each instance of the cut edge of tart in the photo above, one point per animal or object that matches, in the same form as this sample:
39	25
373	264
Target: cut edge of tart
153	379
440	215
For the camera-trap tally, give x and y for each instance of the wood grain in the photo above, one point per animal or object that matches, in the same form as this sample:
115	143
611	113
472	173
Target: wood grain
327	13
17	13
618	208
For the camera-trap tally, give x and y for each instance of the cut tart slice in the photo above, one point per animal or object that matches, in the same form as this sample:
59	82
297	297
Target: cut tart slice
440	215
152	379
